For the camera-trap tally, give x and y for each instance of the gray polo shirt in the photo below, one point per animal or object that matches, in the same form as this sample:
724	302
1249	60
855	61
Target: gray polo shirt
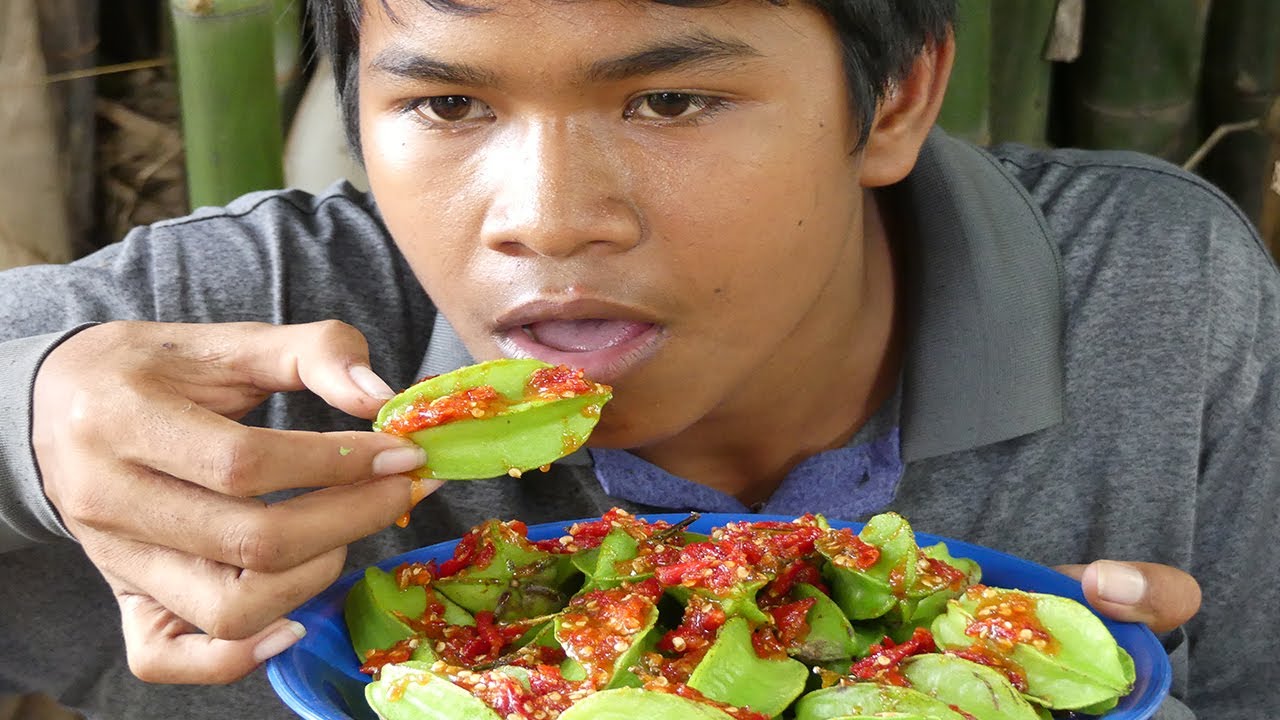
1093	350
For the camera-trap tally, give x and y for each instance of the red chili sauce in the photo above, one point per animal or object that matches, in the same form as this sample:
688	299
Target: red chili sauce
483	401
1006	619
547	696
788	630
799	571
560	381
847	550
740	554
599	627
884	662
475	549
1002	620
587	535
936	575
688	642
425	412
398	653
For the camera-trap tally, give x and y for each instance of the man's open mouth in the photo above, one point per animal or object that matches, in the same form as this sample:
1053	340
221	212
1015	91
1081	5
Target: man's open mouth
606	348
584	336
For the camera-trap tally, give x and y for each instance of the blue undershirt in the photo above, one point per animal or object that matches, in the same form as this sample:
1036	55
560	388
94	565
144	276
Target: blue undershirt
849	483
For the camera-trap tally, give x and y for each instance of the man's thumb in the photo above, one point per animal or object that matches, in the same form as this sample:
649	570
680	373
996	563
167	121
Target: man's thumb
1160	596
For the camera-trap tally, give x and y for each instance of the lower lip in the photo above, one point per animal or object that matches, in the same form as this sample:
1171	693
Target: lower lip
605	365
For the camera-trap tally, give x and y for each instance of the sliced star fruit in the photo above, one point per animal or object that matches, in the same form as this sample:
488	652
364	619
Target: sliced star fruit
906	585
502	417
732	673
630	703
978	690
1068	658
515	581
376	610
604	633
410	691
872	700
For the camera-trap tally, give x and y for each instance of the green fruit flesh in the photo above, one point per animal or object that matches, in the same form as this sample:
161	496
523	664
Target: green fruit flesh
373	608
831	636
410	691
732	673
1085	669
527	434
976	689
519	582
871	700
632	703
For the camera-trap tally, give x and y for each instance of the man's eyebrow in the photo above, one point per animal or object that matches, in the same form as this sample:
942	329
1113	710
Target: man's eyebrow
412	65
701	49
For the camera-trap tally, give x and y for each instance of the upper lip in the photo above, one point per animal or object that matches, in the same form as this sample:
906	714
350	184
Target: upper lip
579	308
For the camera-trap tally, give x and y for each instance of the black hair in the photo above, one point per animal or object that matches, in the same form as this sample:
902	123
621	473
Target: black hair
880	40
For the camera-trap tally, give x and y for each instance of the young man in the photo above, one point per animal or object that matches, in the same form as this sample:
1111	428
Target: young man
739	215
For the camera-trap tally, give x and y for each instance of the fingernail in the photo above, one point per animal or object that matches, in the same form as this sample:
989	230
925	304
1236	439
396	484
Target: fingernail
368	381
399	460
1120	583
279	641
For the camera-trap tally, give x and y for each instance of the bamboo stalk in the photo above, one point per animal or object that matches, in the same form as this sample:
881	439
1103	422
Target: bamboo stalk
33	215
230	108
1138	75
69	36
288	54
1242	78
966	108
1020	76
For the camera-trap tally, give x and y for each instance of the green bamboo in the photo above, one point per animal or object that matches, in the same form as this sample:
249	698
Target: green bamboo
288	54
230	109
1020	76
1138	76
1241	80
966	108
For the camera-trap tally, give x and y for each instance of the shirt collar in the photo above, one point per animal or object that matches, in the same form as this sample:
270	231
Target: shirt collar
983	293
983	288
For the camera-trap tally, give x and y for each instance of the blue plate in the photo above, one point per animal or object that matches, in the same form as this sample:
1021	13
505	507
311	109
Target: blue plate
319	677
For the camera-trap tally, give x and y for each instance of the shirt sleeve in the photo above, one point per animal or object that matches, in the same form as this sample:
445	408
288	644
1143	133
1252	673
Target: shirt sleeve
1237	533
40	307
25	513
279	257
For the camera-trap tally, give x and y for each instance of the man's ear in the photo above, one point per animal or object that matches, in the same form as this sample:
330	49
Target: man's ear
906	114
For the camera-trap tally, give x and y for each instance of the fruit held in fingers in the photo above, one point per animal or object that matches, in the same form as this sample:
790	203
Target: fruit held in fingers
501	417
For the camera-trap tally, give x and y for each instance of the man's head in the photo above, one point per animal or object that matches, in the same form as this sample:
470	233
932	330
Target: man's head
879	40
664	194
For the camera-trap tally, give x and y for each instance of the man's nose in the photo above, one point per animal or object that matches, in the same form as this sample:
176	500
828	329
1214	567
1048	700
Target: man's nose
557	191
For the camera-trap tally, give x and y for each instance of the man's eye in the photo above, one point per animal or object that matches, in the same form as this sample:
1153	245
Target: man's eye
450	109
671	106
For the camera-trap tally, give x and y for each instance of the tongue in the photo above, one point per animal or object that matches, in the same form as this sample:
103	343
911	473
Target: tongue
584	335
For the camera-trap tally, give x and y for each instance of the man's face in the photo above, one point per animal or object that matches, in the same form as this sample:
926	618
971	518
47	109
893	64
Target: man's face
663	196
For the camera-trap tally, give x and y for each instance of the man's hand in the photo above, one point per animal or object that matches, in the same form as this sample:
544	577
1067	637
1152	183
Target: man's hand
1163	597
135	433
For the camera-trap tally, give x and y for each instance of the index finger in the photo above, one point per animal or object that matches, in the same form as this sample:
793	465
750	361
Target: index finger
329	358
187	441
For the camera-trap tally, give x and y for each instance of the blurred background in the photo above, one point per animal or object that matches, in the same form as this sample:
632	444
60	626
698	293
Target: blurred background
118	113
